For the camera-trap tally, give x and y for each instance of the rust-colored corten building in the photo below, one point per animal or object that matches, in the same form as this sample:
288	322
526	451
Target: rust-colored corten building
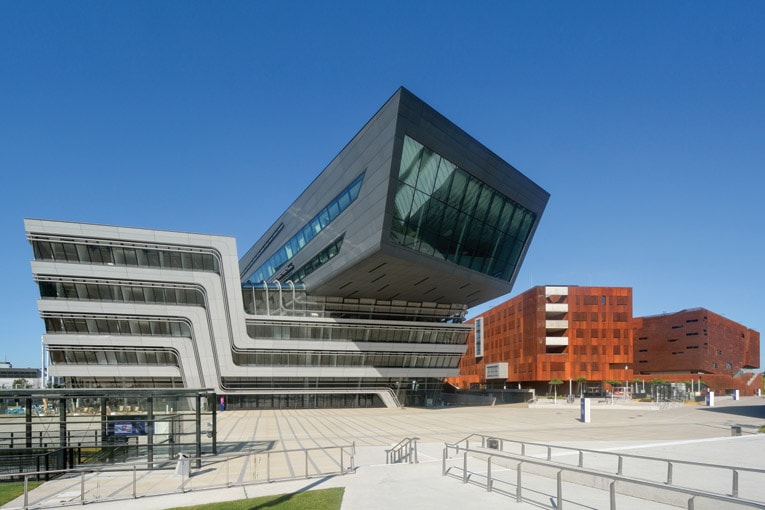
547	333
697	344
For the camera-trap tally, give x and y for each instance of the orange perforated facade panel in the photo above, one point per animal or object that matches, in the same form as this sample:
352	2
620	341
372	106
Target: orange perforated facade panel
694	341
548	333
588	335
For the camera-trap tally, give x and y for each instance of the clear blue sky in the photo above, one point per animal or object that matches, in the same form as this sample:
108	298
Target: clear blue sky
645	121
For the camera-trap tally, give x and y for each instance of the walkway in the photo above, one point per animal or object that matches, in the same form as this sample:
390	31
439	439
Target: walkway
687	432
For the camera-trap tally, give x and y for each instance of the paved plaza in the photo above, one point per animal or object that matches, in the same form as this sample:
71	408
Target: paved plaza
686	432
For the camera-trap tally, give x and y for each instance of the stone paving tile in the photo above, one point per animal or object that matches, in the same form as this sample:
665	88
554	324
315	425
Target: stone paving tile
687	432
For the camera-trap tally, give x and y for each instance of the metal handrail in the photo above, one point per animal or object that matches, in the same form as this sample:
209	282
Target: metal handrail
346	451
403	450
521	459
735	470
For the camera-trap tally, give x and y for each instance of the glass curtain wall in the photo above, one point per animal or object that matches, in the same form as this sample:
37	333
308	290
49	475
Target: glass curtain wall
83	252
443	211
279	260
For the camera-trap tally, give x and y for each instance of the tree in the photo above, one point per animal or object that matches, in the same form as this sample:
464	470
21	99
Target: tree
614	383
555	383
21	383
580	382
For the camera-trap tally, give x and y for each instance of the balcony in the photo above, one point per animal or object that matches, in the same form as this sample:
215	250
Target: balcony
556	307
556	291
556	324
556	341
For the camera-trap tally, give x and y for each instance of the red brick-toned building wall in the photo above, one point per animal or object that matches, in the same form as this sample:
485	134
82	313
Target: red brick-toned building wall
566	333
600	334
695	341
550	333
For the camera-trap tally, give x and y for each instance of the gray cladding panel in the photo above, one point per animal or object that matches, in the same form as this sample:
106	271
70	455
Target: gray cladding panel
409	276
366	224
438	133
369	150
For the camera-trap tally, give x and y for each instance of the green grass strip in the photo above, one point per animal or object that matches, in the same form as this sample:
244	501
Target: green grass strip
324	499
11	491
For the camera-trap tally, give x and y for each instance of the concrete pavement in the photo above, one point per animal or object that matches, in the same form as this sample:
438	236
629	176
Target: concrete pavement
691	433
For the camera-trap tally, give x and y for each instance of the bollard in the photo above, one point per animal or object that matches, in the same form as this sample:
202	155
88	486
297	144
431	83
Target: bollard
669	473
735	484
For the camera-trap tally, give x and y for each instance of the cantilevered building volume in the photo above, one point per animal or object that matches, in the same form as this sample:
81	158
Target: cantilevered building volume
355	296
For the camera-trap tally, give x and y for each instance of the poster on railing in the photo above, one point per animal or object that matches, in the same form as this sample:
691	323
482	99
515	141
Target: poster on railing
130	428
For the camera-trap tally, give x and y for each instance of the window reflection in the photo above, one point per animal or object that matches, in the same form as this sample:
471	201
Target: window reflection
122	292
79	356
75	324
83	253
284	254
442	211
346	359
268	330
315	263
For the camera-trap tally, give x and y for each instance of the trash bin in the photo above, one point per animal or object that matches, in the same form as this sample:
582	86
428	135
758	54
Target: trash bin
735	430
183	467
492	443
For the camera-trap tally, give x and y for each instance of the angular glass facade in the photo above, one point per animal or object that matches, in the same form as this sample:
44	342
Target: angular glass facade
319	260
318	223
443	211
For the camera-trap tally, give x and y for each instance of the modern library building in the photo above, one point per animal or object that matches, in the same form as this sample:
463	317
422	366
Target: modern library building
355	296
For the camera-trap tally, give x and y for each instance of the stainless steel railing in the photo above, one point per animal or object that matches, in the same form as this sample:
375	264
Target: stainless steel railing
527	448
475	465
111	482
404	451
